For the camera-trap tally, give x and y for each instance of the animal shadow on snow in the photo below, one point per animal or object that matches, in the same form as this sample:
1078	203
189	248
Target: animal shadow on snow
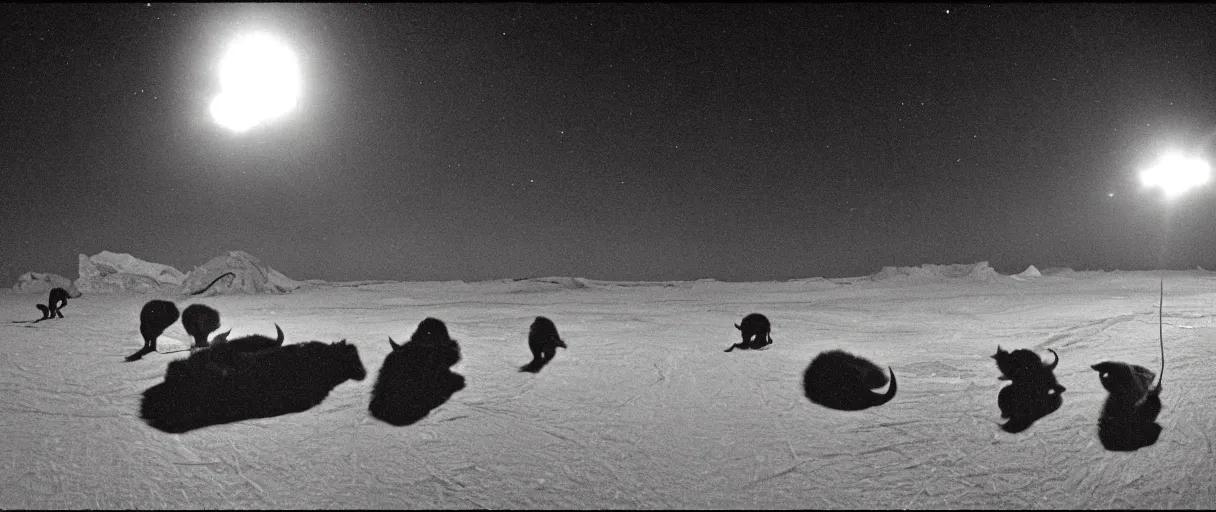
840	380
1033	392
269	382
1129	417
416	376
543	341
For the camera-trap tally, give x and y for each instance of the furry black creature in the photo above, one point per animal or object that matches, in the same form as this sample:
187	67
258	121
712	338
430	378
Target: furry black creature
279	380
416	376
1021	361
1034	391
1028	400
840	380
57	300
1129	417
543	340
755	331
154	318
200	321
223	355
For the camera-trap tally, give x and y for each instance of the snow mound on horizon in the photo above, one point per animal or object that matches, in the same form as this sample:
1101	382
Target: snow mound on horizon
970	271
32	282
249	276
109	271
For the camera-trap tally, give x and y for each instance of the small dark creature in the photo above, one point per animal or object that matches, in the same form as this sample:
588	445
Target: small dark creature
416	376
57	300
1028	400
1020	361
200	321
154	318
213	281
1129	417
543	340
280	380
840	380
755	330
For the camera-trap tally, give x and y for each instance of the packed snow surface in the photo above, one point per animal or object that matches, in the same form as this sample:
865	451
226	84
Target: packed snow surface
644	410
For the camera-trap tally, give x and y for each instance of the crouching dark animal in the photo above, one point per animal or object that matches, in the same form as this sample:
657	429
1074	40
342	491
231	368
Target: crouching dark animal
543	340
1129	416
222	354
200	321
843	381
272	382
1020	361
57	300
755	330
1026	401
416	376
1033	392
154	318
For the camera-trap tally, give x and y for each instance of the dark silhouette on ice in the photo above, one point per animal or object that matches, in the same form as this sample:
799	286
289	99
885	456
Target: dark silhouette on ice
416	376
200	321
755	331
1013	364
1027	400
222	354
1129	416
271	382
156	316
57	299
840	380
543	340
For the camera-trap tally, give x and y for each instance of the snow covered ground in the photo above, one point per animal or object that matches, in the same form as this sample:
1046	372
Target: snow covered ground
644	410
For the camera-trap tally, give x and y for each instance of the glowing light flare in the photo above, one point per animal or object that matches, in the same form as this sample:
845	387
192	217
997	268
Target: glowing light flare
259	80
1175	174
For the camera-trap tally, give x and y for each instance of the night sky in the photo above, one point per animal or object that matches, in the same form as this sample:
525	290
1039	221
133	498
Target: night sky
741	142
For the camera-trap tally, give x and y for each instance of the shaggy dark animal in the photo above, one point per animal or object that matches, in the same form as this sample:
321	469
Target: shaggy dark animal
1129	416
223	354
755	331
416	377
1021	361
57	300
1128	419
840	380
280	380
200	321
154	318
213	281
1028	400
543	340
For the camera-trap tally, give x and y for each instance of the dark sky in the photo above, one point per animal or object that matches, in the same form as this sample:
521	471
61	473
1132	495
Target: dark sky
634	141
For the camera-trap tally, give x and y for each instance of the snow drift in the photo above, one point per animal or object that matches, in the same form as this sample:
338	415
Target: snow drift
643	410
248	275
37	282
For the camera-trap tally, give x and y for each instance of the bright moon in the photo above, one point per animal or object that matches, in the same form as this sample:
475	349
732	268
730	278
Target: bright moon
259	82
1176	174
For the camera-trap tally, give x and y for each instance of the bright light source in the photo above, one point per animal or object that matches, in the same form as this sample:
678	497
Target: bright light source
259	81
1176	174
